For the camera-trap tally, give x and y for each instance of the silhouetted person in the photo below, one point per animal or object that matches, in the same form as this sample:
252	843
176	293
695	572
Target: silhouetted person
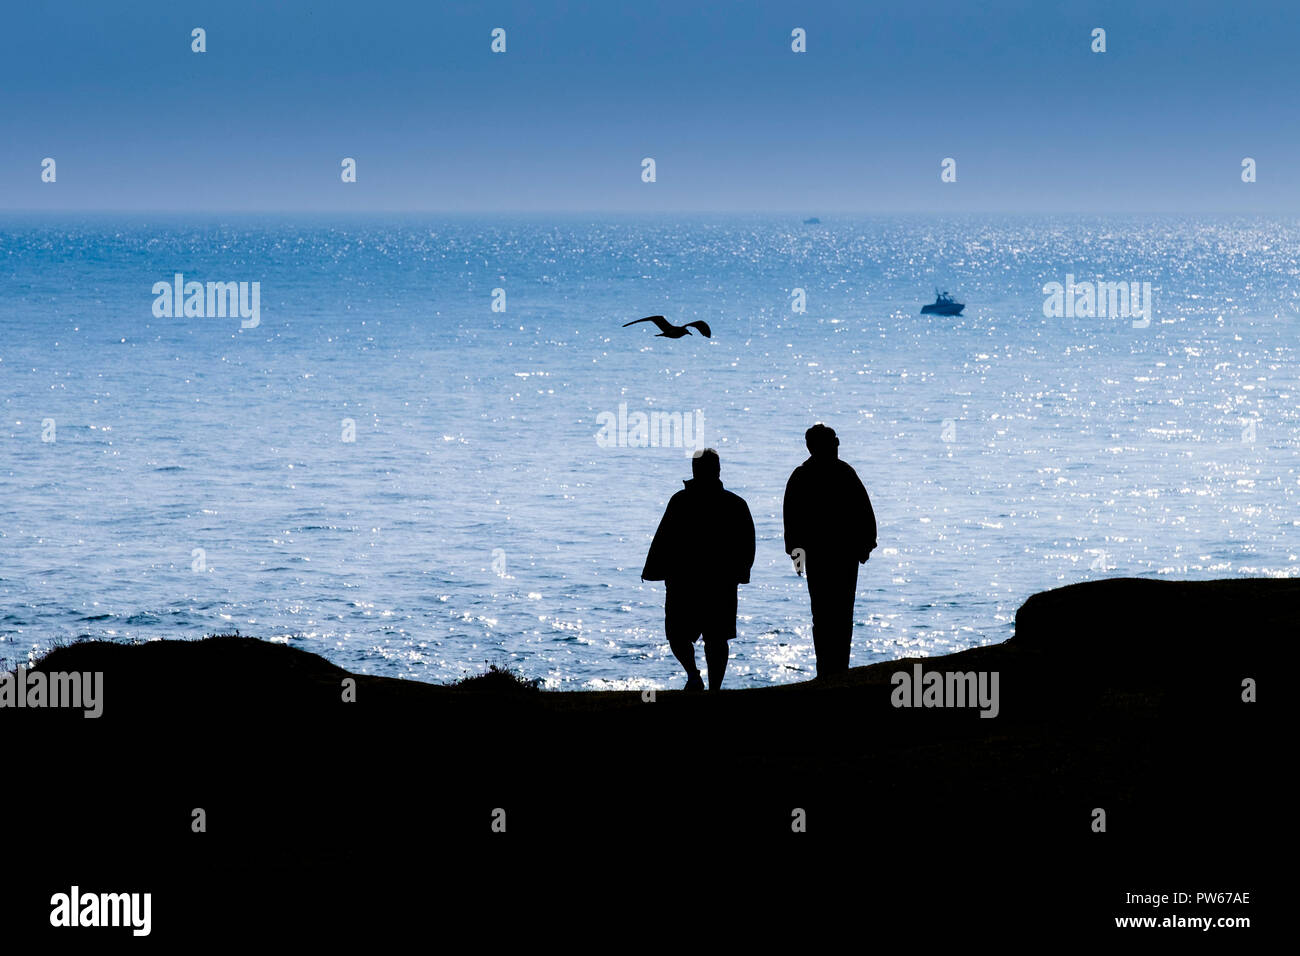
703	549
828	517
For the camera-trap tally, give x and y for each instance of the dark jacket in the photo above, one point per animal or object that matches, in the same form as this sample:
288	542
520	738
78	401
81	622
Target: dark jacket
706	537
828	512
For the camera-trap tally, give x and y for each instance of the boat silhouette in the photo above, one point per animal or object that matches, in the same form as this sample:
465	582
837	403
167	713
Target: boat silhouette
943	304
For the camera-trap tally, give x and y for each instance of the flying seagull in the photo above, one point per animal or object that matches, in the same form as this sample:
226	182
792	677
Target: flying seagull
670	331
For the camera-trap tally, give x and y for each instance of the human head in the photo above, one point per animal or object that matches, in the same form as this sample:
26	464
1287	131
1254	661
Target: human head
706	464
821	441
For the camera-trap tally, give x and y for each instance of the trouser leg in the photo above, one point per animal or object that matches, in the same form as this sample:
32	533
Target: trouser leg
832	586
848	592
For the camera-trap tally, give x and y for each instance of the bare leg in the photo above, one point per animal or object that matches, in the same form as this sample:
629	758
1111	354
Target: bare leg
684	651
715	654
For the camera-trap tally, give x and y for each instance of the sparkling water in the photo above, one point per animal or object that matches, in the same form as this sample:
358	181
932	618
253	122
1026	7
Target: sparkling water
176	477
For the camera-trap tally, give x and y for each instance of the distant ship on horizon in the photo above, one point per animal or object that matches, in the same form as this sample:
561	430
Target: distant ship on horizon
943	304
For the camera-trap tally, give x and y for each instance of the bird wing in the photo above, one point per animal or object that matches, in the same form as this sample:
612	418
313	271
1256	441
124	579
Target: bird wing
658	320
703	327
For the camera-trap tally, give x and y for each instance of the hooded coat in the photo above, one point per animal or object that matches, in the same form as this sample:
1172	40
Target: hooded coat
706	538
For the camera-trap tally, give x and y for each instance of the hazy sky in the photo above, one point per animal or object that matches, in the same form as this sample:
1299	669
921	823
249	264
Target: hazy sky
712	91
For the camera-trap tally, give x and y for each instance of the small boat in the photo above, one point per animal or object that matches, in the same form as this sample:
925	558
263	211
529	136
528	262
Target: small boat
814	221
943	305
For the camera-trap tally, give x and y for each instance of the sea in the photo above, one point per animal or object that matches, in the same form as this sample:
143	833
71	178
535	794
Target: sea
407	465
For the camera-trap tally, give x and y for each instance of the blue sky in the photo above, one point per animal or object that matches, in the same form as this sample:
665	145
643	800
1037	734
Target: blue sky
734	119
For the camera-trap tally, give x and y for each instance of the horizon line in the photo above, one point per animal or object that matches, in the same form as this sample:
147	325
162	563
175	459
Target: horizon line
807	213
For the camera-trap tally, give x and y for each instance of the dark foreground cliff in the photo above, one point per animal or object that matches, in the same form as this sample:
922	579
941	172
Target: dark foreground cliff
1124	696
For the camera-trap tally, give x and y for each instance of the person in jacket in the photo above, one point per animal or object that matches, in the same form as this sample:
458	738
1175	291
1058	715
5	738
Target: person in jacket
703	549
830	529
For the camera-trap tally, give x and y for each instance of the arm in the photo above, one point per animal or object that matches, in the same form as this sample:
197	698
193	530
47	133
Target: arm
791	513
866	521
795	523
660	557
746	532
